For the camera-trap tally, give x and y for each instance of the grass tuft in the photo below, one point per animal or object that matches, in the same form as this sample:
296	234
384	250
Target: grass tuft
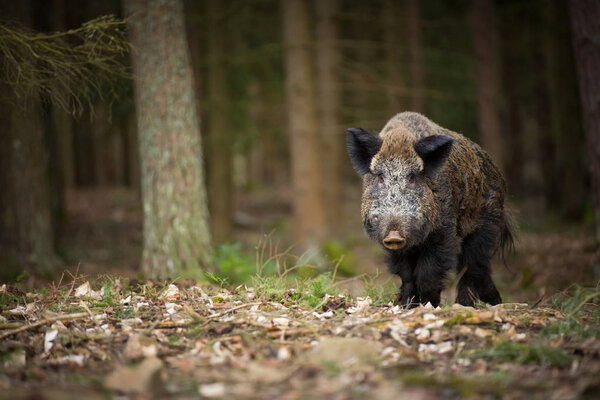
524	353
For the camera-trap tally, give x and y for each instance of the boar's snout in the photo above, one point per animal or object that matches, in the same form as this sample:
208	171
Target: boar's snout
393	241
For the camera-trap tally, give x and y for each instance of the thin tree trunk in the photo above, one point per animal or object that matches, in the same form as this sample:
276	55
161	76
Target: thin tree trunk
83	148
395	82
328	72
131	152
221	140
61	129
568	135
585	25
176	221
511	44
485	46
309	216
417	66
100	141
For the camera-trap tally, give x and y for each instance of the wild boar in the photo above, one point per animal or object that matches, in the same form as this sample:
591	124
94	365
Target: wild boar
435	201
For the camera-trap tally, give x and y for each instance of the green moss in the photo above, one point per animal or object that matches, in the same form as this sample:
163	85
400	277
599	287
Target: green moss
457	319
462	385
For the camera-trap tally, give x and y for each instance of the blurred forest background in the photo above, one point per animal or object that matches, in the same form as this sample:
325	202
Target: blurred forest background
270	86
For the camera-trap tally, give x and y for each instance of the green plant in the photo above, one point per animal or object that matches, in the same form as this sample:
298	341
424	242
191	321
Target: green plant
233	266
524	353
582	313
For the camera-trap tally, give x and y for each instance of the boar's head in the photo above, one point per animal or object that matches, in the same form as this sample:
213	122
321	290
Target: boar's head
399	170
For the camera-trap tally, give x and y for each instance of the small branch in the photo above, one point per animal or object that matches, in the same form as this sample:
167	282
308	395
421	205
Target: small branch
44	321
233	309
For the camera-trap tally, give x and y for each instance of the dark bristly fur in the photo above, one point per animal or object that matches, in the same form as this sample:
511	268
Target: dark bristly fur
443	196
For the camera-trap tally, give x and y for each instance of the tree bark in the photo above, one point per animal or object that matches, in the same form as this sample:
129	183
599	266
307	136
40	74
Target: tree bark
391	39
309	216
100	143
26	230
328	71
417	66
484	35
219	131
565	112
176	223
585	26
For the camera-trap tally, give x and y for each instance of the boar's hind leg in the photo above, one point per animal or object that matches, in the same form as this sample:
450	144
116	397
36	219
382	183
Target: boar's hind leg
403	266
476	282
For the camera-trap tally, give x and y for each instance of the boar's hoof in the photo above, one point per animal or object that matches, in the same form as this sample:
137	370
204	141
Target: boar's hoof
393	241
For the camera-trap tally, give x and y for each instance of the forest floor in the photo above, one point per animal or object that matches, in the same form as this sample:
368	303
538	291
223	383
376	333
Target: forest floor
99	332
123	338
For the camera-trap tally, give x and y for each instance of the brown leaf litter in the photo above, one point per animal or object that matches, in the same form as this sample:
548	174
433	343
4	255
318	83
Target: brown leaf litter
200	341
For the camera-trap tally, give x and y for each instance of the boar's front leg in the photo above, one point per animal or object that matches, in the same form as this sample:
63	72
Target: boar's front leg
403	265
437	256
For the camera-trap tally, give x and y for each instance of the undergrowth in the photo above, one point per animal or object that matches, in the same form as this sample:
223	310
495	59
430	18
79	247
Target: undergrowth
524	353
579	304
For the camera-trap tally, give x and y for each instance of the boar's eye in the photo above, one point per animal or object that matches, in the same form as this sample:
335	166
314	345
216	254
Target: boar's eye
379	176
412	177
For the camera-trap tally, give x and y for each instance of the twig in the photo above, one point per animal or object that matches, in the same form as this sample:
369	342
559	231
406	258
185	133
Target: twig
44	321
233	309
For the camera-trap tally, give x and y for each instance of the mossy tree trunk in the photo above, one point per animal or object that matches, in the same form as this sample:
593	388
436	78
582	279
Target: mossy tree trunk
309	216
176	223
585	25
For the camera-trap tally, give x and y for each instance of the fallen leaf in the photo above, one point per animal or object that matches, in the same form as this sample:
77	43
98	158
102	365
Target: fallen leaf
172	292
216	389
139	346
345	352
49	337
140	378
281	321
85	291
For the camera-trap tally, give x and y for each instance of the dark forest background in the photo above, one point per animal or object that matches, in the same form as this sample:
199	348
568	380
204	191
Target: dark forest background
502	72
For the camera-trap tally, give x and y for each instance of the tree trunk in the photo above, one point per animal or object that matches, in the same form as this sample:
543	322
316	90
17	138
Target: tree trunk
568	136
328	71
100	141
131	152
392	42
585	25
485	45
176	221
61	128
514	50
309	216
26	231
220	135
417	66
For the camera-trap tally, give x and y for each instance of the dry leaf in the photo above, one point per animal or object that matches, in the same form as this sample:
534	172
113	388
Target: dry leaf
141	378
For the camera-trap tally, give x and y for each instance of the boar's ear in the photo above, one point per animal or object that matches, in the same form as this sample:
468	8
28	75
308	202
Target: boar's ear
433	150
362	146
